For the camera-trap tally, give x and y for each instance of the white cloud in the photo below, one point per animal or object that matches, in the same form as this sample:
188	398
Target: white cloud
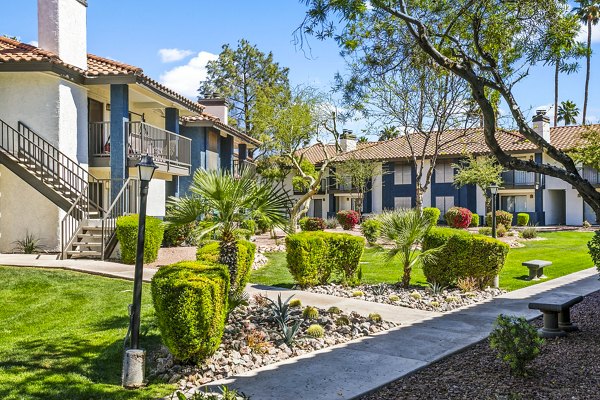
185	79
34	43
172	55
582	36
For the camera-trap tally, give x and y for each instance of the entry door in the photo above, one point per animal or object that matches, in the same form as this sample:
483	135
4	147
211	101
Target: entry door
318	211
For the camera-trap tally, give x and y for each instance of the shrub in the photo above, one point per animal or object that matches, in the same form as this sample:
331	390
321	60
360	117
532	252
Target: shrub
458	217
315	331
516	342
348	219
594	249
190	299
371	229
474	220
249	225
358	293
176	235
331	223
312	224
462	255
262	224
295	303
502	217
467	284
210	253
529	233
374	317
522	219
312	257
28	245
432	214
394	298
334	310
500	230
485	230
342	321
127	234
310	313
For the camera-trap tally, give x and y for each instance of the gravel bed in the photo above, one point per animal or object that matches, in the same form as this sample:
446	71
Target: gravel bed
567	368
252	340
415	297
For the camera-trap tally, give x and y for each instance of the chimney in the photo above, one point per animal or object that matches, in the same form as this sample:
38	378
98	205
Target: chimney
347	141
541	124
62	29
216	106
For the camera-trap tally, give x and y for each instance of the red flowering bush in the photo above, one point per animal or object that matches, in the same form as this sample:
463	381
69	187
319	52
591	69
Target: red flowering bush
348	219
312	224
458	217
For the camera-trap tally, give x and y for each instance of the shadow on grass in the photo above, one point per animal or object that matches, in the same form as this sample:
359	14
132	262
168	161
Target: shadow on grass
522	278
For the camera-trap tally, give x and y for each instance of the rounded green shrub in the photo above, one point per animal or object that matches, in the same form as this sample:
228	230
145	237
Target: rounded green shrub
342	321
371	229
462	255
432	214
594	249
210	252
310	313
190	299
393	298
502	217
127	235
310	224
374	317
501	230
485	230
358	293
334	310
474	220
316	331
522	219
295	303
313	257
176	235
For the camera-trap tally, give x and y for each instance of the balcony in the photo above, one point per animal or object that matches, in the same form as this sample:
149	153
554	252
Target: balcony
171	152
340	187
322	188
519	180
591	174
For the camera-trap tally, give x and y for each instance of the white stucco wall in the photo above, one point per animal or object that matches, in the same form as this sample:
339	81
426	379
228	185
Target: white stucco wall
62	29
480	201
156	198
377	194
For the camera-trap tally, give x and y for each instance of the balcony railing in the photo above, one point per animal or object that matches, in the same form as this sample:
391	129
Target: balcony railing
591	174
322	188
336	186
142	138
518	178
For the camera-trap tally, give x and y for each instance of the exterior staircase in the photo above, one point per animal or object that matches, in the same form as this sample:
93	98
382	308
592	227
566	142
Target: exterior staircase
87	230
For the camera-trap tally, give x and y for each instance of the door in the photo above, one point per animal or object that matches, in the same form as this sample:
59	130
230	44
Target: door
97	132
318	210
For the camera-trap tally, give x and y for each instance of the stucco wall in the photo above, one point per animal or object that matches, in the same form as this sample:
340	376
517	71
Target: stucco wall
156	198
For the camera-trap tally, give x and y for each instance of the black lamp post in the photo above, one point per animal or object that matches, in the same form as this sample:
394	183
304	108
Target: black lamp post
494	191
133	364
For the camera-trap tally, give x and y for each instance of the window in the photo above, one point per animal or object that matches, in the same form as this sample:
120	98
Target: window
444	173
402	202
444	203
513	203
213	140
402	174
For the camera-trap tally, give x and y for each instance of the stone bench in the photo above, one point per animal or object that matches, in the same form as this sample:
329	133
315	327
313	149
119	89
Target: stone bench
536	269
557	314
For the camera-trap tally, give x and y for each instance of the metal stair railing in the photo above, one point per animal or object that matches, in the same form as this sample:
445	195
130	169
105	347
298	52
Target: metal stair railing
124	203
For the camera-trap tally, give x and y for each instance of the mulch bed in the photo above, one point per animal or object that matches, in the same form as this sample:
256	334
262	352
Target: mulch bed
567	368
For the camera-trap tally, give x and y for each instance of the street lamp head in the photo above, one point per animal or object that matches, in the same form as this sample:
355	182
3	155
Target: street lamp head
146	168
494	189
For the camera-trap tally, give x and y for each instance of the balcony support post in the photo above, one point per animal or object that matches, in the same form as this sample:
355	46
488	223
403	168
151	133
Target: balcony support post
119	115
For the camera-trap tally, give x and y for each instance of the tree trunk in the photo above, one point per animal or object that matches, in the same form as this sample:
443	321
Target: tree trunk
419	197
587	72
301	207
406	275
556	71
228	255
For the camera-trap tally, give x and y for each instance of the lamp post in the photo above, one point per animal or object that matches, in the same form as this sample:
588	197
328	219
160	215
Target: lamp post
134	361
494	191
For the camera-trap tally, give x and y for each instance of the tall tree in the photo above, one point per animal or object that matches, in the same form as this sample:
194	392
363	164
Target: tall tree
482	171
588	12
568	112
239	75
490	44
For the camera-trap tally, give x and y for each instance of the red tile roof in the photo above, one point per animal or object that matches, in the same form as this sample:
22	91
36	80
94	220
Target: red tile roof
216	121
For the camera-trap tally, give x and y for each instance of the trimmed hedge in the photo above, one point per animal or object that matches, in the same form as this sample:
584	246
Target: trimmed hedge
522	219
312	224
190	299
502	217
474	220
458	217
312	257
127	234
210	253
348	219
464	255
432	214
371	229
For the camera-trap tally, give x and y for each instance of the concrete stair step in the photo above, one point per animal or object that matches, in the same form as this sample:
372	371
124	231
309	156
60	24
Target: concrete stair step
83	253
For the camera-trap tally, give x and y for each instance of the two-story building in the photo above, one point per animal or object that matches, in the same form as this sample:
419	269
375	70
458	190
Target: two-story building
73	126
548	200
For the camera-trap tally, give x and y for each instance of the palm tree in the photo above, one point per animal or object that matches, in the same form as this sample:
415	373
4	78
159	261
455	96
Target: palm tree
229	200
568	111
406	229
589	14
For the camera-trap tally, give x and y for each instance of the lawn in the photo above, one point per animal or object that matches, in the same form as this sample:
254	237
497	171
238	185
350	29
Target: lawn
62	336
566	250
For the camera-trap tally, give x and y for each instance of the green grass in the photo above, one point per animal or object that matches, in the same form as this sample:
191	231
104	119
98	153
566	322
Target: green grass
62	336
566	250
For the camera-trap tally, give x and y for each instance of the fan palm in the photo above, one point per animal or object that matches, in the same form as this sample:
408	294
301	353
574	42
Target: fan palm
567	111
588	12
406	229
228	200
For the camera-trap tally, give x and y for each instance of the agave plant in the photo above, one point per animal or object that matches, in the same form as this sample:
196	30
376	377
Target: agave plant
280	310
406	229
228	199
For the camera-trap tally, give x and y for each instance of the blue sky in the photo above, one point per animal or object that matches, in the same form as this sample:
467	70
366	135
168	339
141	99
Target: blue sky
173	40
